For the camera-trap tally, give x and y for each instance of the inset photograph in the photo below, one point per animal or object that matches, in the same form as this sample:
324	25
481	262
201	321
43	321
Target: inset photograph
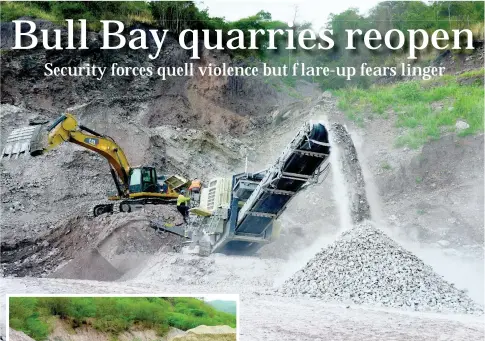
122	318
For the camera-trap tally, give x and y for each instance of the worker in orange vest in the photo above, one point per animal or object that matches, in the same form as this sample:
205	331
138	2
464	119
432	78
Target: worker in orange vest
195	186
194	190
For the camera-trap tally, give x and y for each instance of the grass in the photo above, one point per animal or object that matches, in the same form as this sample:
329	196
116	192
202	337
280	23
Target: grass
14	10
36	316
425	109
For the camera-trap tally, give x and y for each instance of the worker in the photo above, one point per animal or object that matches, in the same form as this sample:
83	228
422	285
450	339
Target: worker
195	186
182	206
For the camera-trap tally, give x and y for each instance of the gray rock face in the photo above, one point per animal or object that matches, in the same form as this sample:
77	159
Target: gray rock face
364	266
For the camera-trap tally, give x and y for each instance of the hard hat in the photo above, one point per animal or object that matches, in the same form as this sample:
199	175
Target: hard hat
182	191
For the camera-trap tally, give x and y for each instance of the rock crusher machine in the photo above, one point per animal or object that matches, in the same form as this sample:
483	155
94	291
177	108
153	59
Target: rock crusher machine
239	213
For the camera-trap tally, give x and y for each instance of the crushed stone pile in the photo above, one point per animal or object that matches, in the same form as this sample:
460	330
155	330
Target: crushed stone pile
91	265
364	266
207	333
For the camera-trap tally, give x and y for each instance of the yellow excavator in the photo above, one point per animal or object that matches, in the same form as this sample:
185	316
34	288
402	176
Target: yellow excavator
135	185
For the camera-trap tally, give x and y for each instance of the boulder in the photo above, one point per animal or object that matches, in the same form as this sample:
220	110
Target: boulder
461	125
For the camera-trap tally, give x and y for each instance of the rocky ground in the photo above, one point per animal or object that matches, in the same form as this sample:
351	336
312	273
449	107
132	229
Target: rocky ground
269	317
18	335
205	333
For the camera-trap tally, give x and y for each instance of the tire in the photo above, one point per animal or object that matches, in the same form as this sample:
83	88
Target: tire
125	207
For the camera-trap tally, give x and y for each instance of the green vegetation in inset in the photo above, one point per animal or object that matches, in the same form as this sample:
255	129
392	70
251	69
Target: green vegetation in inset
424	109
113	315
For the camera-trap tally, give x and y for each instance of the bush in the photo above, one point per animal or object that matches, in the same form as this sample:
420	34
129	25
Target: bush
58	306
22	307
182	321
424	109
35	328
111	324
80	309
23	316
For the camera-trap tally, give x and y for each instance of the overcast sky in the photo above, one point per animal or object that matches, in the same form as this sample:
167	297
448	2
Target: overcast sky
222	297
314	11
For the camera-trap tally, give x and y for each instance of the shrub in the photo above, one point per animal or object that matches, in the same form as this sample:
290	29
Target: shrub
35	328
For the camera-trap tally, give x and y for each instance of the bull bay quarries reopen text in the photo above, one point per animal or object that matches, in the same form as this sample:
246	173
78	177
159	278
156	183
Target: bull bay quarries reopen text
114	37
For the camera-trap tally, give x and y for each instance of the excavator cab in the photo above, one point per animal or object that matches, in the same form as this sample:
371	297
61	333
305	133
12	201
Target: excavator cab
144	179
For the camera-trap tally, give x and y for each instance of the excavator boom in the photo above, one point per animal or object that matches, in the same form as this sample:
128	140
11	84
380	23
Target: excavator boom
39	140
67	129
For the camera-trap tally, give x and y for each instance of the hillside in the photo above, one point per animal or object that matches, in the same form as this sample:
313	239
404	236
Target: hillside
422	110
38	317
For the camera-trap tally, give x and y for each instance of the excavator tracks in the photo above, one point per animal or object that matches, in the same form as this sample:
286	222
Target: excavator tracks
101	208
127	205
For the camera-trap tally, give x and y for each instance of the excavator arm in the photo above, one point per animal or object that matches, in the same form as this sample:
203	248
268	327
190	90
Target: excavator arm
66	129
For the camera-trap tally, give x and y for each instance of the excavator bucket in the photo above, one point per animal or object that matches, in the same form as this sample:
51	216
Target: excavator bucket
22	141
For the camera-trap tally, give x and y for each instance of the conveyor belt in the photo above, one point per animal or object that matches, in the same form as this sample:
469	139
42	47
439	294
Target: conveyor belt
305	157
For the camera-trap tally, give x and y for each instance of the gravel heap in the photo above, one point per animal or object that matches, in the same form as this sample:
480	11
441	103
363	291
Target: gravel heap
364	266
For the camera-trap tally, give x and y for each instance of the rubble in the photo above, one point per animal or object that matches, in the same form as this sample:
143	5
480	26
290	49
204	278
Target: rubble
365	266
207	333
